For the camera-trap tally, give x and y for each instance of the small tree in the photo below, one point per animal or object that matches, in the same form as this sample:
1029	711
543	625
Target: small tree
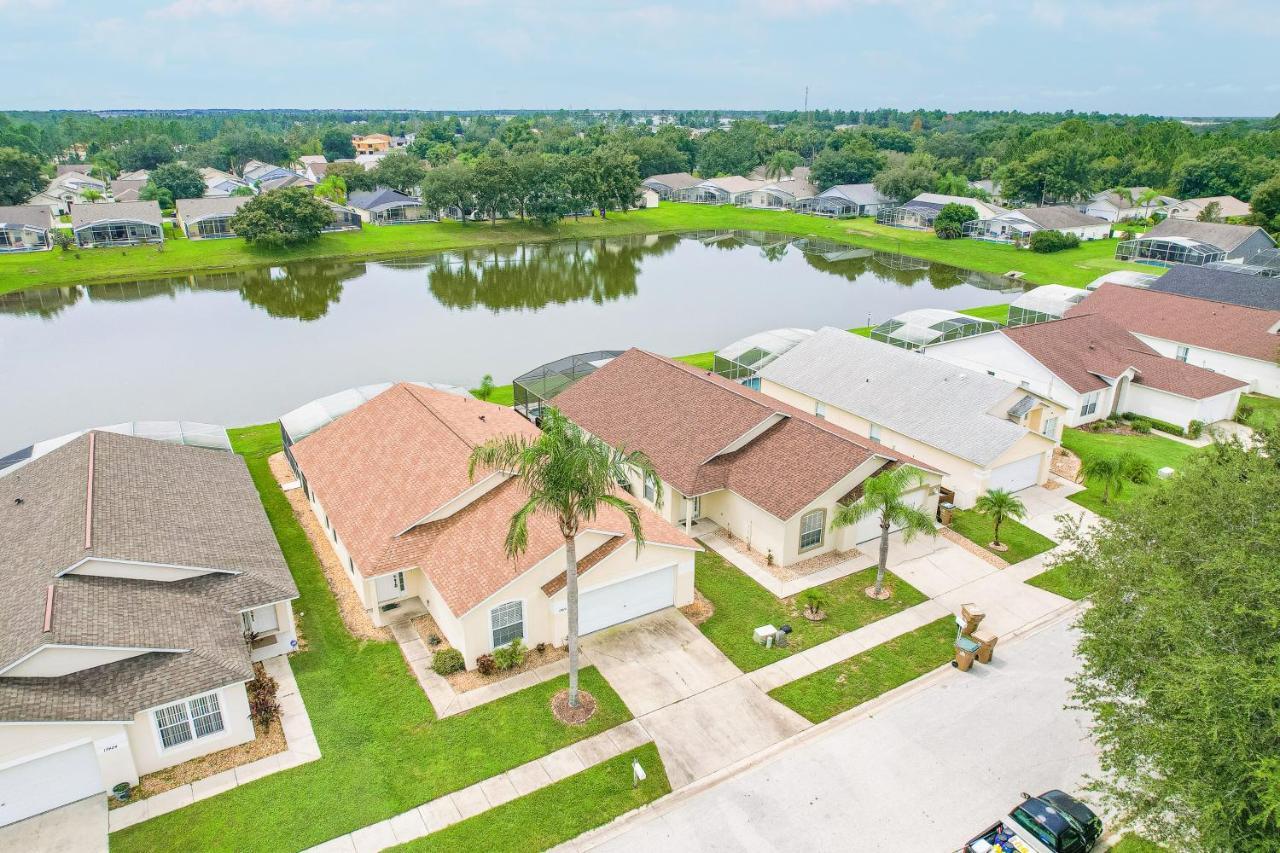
240	192
1114	472
283	217
90	195
485	389
999	505
1212	212
951	219
181	180
158	194
884	495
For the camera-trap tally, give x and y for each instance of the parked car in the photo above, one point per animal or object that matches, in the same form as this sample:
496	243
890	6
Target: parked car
1054	822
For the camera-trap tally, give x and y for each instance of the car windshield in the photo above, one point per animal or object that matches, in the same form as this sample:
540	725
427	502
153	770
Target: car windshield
1036	827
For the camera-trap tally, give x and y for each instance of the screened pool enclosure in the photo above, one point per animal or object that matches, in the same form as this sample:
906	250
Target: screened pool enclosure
1047	302
534	390
926	326
1166	251
743	359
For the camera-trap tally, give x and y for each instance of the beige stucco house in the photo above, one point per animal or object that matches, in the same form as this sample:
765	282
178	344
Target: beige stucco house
142	580
389	482
982	432
769	473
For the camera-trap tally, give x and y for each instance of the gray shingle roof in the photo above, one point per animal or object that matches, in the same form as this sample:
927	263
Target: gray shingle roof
1253	291
141	211
675	180
1058	216
929	400
152	502
35	215
1225	237
379	199
195	209
858	193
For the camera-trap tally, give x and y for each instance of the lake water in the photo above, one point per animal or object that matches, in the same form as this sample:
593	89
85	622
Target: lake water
245	346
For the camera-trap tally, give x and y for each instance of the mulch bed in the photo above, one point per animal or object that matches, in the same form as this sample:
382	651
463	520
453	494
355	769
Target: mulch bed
573	716
700	610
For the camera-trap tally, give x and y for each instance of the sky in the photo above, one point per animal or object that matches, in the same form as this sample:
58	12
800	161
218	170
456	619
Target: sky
1168	57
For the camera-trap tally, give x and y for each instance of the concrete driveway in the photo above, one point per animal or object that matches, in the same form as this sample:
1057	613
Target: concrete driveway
699	708
79	827
924	772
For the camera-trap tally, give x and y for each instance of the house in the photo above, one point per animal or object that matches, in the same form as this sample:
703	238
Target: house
316	171
135	175
126	190
921	211
1044	303
666	186
255	172
415	532
370	161
847	200
141	581
1129	204
1221	285
785	193
1095	369
65	190
67	168
344	218
218	183
289	180
743	359
718	190
768	473
982	433
1234	340
306	160
372	143
1228	205
383	206
1018	225
26	228
988	186
204	218
1186	241
124	223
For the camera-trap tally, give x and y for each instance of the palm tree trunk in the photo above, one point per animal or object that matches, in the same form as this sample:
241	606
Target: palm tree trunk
996	537
884	556
571	597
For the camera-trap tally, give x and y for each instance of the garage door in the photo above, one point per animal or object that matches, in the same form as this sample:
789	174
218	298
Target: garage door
45	783
618	602
1022	474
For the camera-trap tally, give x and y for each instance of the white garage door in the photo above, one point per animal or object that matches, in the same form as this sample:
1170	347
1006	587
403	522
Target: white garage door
45	783
1022	474
618	602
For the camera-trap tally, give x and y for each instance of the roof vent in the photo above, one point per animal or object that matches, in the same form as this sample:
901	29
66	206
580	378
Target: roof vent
18	501
482	417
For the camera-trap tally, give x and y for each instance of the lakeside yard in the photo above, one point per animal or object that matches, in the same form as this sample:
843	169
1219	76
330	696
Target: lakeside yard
1157	450
1076	267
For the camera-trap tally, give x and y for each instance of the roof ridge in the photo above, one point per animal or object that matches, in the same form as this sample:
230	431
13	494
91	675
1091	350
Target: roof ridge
436	415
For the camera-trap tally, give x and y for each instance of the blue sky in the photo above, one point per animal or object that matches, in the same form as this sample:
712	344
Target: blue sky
1173	57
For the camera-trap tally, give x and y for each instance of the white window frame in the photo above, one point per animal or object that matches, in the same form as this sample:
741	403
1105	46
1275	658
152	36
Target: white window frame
1089	403
650	489
873	431
194	710
820	409
1182	353
821	529
494	627
249	620
1050	426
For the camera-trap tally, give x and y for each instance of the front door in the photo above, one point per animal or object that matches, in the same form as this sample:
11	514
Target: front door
389	587
697	508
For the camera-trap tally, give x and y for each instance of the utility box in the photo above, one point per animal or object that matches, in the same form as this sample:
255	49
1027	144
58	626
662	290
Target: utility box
764	634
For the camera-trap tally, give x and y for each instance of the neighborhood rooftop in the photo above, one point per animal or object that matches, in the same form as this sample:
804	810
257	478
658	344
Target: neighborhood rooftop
1222	235
1221	285
140	211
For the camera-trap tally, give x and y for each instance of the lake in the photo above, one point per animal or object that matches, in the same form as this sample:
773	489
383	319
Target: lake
245	346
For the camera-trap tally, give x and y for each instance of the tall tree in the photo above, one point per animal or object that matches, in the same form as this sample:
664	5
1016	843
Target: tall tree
614	179
283	217
491	184
400	172
781	164
570	476
1265	203
449	186
854	163
907	180
336	144
884	496
144	154
181	180
19	176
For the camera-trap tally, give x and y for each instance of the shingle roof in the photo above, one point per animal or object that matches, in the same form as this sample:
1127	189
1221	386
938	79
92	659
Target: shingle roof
35	215
195	209
985	209
1228	205
1252	291
675	180
385	466
796	186
150	502
858	193
285	181
1082	348
734	183
379	198
1058	216
1237	329
1226	237
141	211
684	418
942	405
127	190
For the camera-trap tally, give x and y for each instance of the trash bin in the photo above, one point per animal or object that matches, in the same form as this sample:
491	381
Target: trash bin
972	615
986	645
966	650
945	513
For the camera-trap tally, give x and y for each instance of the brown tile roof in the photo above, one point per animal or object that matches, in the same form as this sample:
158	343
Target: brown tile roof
1237	329
389	463
1081	349
682	417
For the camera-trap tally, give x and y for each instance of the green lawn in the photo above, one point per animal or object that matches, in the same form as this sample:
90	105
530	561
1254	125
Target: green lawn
1134	844
1158	450
742	605
1266	410
999	313
1074	267
864	676
704	360
558	812
1023	542
383	749
1062	581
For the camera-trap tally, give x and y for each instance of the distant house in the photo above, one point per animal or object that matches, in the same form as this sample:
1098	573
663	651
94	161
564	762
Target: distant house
785	193
383	206
1095	368
141	582
344	218
136	175
921	211
290	180
126	190
26	228
316	171
1228	205
1221	285
847	200
205	218
125	223
370	161
255	172
1018	225
1186	241
666	186
65	190
218	183
68	168
1117	207
718	190
307	159
1234	340
372	143
983	433
988	186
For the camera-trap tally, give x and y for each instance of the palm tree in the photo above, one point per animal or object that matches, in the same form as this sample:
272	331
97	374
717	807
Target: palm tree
90	195
1000	505
883	496
781	163
570	476
1115	471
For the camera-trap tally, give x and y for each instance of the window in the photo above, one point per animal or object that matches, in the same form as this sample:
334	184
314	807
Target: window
820	409
812	526
185	721
1183	352
261	620
873	432
1050	427
508	622
650	489
1089	403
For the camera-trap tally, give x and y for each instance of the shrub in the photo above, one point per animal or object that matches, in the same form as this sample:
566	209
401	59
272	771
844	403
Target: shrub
950	221
1141	425
814	601
1243	413
263	706
63	239
1045	242
433	640
541	648
510	655
447	661
1195	429
1154	423
485	665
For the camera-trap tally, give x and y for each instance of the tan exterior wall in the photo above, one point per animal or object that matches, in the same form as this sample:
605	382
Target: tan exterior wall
144	740
20	742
